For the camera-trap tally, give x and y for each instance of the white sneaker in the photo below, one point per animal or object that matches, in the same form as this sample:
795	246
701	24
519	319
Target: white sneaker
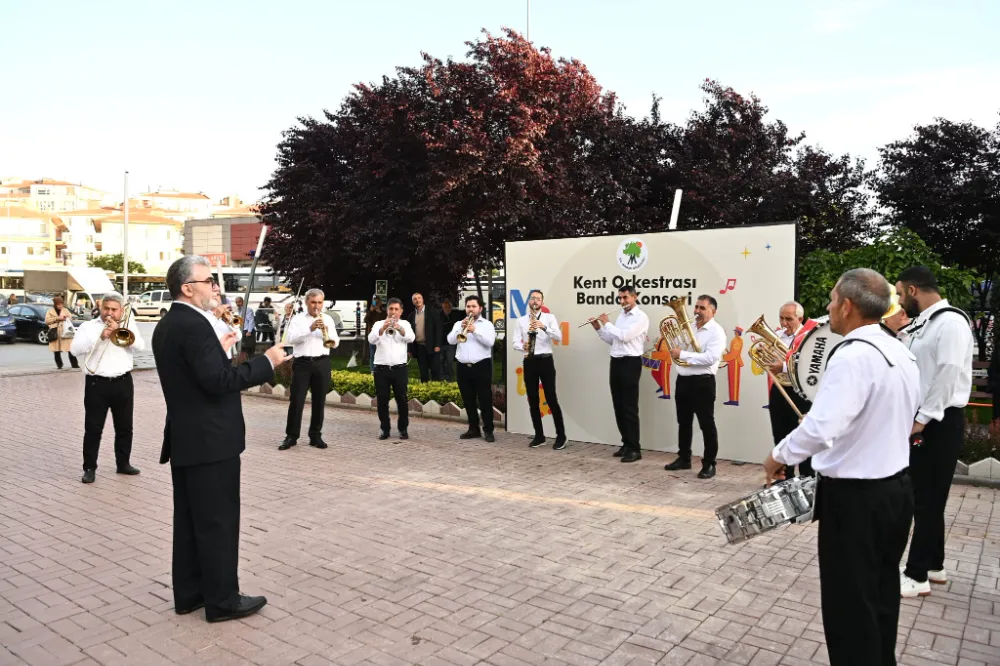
911	589
939	577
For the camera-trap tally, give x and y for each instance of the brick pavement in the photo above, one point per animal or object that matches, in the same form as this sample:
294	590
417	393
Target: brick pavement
431	551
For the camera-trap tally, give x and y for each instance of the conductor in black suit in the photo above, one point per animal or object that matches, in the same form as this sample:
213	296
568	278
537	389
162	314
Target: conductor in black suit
202	439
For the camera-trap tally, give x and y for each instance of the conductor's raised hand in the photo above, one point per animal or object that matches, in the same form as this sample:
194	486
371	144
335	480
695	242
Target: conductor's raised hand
277	355
227	340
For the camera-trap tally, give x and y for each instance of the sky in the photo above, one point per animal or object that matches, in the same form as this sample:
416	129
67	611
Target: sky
195	95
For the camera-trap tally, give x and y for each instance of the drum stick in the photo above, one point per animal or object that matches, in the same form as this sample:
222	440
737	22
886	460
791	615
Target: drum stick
782	390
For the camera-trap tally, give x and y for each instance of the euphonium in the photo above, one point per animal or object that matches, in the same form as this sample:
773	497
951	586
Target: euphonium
462	337
328	342
676	330
768	349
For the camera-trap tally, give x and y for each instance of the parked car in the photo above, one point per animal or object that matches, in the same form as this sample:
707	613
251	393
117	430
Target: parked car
29	321
8	329
153	303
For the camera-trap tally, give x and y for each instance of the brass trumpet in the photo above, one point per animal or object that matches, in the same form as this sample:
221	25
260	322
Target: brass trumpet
328	342
392	327
462	337
593	319
232	319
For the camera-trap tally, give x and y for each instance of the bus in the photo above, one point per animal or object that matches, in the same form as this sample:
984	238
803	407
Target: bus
139	284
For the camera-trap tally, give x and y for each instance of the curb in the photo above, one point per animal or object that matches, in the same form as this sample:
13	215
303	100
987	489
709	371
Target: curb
977	481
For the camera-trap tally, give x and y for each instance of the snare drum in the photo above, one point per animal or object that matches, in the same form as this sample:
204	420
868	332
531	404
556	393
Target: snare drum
789	501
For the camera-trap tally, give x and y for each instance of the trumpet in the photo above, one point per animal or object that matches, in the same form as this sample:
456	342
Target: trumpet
392	327
328	342
232	319
120	337
462	335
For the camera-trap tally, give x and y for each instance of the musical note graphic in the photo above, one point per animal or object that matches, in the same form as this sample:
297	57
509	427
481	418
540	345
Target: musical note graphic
730	285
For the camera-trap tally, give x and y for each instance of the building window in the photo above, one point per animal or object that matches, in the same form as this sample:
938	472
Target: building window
46	205
89	239
43	192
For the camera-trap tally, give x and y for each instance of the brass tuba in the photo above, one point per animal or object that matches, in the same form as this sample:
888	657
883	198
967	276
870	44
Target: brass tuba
768	348
676	330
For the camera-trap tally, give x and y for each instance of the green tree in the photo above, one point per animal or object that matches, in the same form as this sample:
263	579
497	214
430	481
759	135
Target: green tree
116	263
890	256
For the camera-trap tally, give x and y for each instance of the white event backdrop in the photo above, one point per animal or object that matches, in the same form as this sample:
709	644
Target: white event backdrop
749	270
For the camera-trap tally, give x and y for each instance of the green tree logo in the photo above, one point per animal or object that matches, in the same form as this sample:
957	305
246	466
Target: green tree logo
632	254
632	250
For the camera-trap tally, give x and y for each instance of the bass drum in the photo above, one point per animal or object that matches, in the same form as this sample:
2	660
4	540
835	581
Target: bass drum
807	363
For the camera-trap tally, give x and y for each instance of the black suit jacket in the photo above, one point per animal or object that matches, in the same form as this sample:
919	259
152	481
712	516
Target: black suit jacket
432	326
202	390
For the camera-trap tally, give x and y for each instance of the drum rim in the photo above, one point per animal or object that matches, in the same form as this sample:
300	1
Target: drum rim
793	359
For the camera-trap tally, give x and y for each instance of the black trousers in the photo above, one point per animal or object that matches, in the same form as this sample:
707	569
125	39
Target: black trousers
542	368
427	361
863	526
475	382
99	396
392	377
309	373
249	344
696	397
623	377
932	466
206	533
72	360
784	420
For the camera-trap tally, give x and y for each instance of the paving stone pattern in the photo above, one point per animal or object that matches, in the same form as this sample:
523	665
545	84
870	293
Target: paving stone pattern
430	551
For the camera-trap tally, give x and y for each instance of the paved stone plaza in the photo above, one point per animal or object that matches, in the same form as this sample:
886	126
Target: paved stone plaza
431	551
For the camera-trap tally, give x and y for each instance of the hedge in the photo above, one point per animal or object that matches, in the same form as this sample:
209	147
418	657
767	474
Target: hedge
345	381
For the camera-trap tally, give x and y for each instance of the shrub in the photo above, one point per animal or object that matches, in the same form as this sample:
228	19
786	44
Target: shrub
980	442
440	392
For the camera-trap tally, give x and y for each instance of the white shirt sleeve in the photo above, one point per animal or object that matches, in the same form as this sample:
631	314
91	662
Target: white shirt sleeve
85	338
947	371
297	331
712	353
485	332
551	328
841	397
453	336
331	328
635	330
374	334
140	342
519	336
408	334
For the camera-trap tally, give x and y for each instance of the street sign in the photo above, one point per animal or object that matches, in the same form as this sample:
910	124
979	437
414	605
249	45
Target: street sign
382	288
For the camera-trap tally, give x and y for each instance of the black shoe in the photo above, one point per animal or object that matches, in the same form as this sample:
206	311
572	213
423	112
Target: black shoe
403	434
189	608
620	452
287	444
560	443
490	437
680	463
470	434
631	456
88	476
128	469
244	607
318	443
539	440
383	435
707	472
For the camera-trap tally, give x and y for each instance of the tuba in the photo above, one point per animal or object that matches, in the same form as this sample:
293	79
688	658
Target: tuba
768	348
677	331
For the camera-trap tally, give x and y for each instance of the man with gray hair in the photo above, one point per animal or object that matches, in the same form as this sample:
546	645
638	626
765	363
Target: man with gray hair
311	335
858	434
791	316
107	384
203	438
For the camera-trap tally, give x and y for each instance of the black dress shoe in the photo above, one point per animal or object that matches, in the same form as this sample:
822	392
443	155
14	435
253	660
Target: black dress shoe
189	608
128	469
287	444
383	435
88	476
470	434
244	607
403	434
560	443
536	442
680	463
318	443
631	456
620	452
490	437
707	472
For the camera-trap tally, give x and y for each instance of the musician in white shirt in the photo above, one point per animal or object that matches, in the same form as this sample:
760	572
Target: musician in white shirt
540	366
941	339
390	338
107	384
696	388
475	367
791	316
627	338
857	433
310	369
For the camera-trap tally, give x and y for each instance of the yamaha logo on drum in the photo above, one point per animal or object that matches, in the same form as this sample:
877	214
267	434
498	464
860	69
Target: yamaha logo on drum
812	380
633	254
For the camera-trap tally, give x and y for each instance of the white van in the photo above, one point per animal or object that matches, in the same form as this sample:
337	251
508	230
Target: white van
153	303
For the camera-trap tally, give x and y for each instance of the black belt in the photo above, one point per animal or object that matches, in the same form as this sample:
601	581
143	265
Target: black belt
898	475
538	356
469	365
109	379
379	366
313	358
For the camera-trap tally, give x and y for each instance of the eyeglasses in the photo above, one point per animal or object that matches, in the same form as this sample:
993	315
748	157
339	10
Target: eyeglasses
210	281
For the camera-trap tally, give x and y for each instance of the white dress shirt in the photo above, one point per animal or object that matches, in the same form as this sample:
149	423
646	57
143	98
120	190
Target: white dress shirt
114	361
391	349
711	339
479	346
309	343
221	328
543	337
944	349
627	336
786	340
859	425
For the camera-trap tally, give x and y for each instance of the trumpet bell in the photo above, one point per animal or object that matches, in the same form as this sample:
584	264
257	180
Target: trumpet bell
237	321
462	337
